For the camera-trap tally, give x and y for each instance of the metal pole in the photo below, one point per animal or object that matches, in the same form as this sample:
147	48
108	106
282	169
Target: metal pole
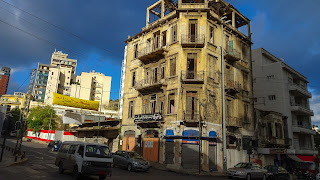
200	134
100	112
224	138
18	136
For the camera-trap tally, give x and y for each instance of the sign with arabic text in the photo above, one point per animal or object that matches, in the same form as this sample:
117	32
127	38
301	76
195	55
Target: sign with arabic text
147	117
74	102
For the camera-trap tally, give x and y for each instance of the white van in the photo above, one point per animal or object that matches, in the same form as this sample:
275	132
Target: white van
84	159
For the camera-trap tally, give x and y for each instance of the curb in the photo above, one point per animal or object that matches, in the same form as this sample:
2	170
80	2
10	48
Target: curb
179	171
17	163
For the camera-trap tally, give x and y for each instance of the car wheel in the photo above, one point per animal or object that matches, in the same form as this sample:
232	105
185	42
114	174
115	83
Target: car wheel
248	176
129	167
61	170
264	177
76	174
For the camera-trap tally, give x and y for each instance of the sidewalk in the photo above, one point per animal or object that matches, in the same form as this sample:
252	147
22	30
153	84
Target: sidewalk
8	158
187	172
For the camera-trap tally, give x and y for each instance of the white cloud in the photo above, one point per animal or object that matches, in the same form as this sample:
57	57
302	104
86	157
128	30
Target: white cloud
315	106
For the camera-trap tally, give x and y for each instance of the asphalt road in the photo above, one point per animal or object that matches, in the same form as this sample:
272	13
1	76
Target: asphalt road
40	165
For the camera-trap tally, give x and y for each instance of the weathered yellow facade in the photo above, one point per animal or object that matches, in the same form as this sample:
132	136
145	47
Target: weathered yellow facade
173	67
15	101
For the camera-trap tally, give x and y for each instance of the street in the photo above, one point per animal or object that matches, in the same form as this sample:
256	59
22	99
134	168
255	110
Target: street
40	165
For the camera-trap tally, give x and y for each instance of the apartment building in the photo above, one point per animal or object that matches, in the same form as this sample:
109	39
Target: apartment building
172	90
4	80
13	101
59	81
93	86
60	72
279	88
40	84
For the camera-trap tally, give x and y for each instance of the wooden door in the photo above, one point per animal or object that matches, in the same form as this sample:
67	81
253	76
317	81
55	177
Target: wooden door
151	149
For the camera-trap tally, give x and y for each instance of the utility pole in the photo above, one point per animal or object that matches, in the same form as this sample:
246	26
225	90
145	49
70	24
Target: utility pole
25	111
224	133
200	134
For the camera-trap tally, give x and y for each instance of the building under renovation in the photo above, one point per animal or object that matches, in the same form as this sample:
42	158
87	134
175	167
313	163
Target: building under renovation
172	85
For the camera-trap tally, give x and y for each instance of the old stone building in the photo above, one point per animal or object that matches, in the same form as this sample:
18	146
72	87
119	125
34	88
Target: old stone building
172	85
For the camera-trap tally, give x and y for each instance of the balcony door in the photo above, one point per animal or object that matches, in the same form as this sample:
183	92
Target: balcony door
156	40
191	66
191	106
193	28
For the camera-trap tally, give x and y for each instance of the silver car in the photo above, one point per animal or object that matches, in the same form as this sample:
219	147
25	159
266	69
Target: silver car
130	160
247	171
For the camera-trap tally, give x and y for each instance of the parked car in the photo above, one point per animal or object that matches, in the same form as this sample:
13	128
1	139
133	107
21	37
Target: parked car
132	161
247	171
54	145
84	159
277	172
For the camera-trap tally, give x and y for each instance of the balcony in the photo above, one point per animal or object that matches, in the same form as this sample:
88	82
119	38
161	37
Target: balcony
232	55
153	51
149	85
193	5
98	92
301	109
269	140
243	65
303	129
297	89
232	87
233	121
192	41
192	77
191	117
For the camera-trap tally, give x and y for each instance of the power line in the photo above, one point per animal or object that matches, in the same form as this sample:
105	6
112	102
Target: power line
42	39
23	83
62	29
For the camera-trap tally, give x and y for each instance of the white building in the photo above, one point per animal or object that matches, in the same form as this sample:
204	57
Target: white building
92	86
278	87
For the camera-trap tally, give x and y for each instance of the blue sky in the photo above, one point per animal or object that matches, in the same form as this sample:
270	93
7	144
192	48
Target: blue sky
287	28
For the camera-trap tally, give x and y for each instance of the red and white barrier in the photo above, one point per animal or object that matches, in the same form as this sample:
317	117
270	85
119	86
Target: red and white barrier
45	135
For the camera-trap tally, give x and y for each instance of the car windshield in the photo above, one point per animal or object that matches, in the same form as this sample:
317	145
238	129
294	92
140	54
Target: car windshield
97	151
243	165
134	155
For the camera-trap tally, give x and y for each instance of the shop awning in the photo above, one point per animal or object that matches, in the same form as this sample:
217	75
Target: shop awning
306	158
302	159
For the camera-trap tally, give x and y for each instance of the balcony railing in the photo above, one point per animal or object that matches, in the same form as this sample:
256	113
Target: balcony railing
301	108
233	121
232	55
153	50
270	140
192	77
149	84
195	41
301	89
232	87
191	116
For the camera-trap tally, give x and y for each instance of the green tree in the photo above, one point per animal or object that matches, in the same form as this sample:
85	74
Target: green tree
14	118
39	118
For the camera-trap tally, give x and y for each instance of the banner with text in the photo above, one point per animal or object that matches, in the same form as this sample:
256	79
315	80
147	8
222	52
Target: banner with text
74	102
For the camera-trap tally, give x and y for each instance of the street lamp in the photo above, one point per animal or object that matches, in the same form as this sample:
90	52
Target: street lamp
224	134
